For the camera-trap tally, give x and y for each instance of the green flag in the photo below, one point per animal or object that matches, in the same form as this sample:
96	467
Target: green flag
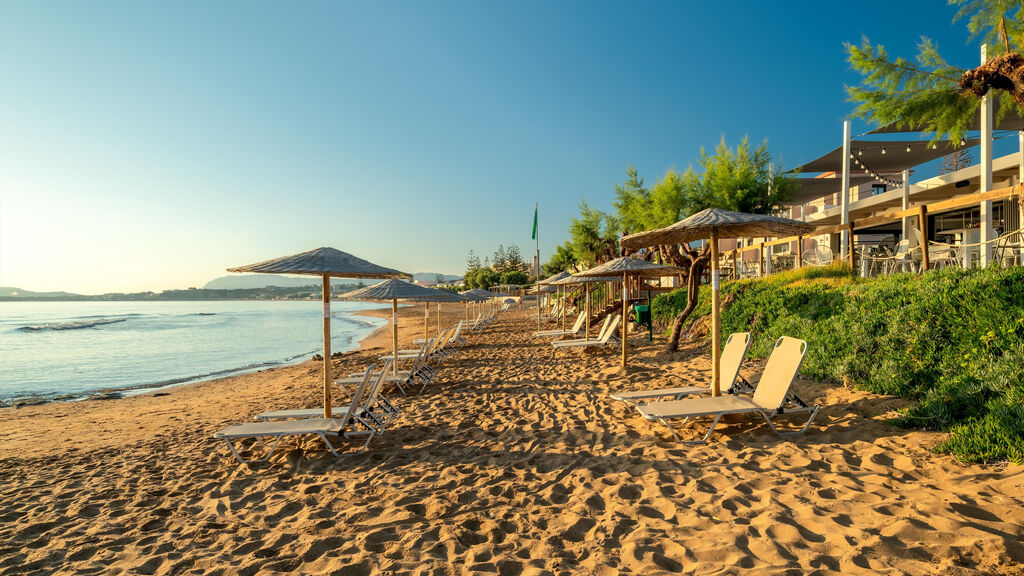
534	236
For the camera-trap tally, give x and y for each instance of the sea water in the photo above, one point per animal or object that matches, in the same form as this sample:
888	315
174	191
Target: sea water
52	350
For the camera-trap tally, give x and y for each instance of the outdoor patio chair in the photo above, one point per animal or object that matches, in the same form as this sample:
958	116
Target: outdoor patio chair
732	358
768	402
901	259
324	428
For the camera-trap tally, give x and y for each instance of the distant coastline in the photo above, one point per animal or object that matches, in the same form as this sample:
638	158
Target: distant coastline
311	292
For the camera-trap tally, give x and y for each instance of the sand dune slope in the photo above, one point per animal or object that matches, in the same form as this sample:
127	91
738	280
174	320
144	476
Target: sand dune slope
514	463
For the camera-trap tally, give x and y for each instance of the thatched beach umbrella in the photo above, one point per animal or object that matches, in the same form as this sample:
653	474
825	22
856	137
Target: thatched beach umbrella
541	286
327	263
395	290
713	224
474	295
586	281
626	268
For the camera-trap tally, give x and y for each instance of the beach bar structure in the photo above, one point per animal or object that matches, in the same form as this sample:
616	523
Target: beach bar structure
868	211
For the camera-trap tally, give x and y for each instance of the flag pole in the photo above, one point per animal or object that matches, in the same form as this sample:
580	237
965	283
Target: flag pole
536	237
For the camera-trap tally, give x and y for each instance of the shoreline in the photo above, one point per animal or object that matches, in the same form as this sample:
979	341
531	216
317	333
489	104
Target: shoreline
134	390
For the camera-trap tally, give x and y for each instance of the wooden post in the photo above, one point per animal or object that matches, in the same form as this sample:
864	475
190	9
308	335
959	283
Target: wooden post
327	345
849	234
586	335
426	323
394	336
624	325
439	317
923	216
564	303
735	273
467	309
715	337
760	261
799	252
538	296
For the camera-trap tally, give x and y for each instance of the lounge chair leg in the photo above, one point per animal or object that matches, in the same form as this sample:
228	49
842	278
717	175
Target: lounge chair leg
813	410
702	440
328	443
231	446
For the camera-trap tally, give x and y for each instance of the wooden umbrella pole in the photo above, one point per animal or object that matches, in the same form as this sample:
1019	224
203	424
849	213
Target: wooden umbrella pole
564	305
538	304
716	389
624	324
394	336
586	335
426	321
467	311
327	345
438	317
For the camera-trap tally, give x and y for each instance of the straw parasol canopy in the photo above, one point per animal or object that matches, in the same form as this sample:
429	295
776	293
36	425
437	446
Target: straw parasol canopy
545	287
726	223
713	224
322	262
476	294
625	268
395	290
327	263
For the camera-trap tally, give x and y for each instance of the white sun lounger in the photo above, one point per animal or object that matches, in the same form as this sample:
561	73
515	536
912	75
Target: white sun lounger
768	401
325	428
732	382
576	327
375	410
602	340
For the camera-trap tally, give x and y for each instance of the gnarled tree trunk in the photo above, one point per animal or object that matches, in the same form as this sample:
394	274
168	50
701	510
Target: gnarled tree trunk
697	261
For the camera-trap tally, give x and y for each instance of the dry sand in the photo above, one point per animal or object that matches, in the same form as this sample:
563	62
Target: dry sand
514	462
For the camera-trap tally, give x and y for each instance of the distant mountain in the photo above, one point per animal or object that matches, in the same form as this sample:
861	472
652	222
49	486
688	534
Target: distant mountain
241	281
7	292
431	277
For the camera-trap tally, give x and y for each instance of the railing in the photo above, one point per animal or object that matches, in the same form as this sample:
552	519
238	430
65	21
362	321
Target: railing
920	212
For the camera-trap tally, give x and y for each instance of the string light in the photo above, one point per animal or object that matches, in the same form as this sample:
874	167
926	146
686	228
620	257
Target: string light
860	151
883	150
908	147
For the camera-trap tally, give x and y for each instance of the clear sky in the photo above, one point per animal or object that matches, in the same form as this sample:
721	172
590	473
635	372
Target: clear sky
149	145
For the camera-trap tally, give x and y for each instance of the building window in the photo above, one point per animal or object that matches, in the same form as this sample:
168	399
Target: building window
877	189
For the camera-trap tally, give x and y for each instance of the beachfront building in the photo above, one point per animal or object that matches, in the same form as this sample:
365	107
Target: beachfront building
967	217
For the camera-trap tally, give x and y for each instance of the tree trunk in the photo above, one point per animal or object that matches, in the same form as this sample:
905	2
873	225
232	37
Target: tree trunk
697	263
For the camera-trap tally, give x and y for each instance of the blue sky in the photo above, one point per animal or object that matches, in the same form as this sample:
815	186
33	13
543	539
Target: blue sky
152	145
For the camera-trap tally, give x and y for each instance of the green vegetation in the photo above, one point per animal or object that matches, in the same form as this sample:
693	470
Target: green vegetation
927	91
952	340
507	267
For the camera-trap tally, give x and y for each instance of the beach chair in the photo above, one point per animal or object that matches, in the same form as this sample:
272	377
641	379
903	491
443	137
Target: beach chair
603	339
375	410
768	402
576	327
324	428
732	358
416	372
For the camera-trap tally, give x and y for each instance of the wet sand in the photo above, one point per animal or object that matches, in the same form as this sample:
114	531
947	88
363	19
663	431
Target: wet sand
513	462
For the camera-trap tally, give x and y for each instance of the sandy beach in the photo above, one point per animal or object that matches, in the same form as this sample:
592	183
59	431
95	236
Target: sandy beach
513	462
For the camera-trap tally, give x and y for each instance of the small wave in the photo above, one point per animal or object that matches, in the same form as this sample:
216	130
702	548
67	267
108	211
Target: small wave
72	325
202	314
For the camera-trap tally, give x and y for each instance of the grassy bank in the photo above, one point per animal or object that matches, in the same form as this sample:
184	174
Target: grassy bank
952	340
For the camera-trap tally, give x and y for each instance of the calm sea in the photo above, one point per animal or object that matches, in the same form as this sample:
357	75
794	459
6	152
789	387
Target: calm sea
60	349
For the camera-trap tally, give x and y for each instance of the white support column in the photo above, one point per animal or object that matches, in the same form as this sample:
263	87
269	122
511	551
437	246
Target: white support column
986	170
906	204
845	193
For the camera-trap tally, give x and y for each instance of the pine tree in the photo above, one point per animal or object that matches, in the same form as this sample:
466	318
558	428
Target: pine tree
930	94
514	259
472	261
500	259
960	158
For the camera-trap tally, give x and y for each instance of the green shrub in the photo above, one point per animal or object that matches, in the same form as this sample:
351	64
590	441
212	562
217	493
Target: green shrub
953	340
